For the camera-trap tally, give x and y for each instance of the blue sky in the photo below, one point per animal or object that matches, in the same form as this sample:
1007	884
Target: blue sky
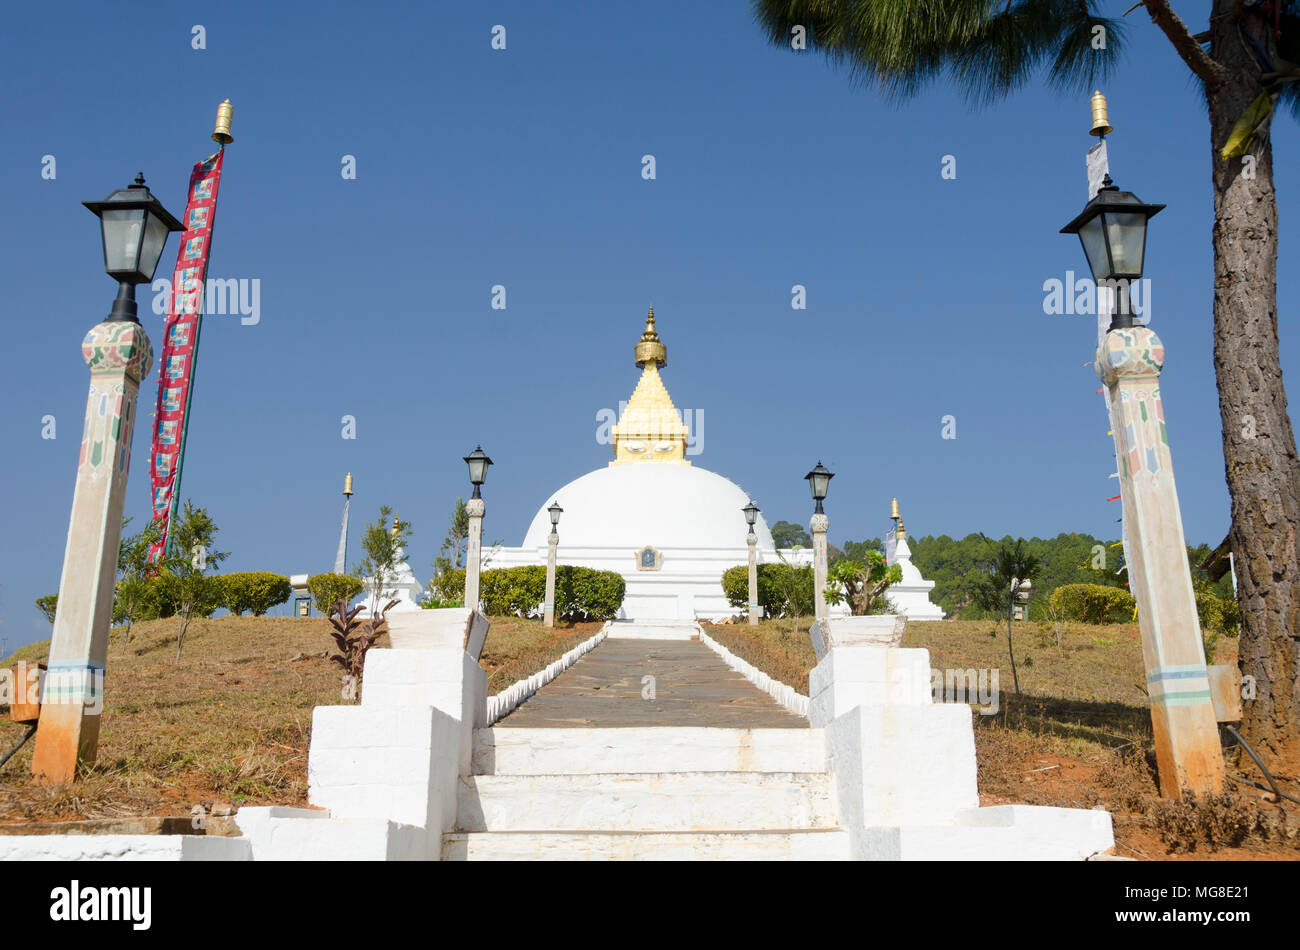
522	168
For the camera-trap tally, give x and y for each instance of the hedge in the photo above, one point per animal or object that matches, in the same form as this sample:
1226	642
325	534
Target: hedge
257	591
778	584
581	593
1093	603
327	589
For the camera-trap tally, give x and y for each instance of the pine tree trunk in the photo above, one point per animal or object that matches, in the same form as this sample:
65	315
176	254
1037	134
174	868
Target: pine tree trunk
1259	446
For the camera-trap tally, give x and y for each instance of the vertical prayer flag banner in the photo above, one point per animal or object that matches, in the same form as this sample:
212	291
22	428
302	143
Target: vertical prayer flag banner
181	343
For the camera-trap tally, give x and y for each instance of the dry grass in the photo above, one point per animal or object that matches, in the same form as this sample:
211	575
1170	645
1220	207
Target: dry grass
230	722
1079	735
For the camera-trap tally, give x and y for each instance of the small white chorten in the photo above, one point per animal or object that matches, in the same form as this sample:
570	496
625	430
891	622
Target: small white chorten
911	595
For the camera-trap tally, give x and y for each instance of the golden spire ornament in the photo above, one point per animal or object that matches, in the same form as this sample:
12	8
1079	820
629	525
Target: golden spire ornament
221	132
651	348
1101	126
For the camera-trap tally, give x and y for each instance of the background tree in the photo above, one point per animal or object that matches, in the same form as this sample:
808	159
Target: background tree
382	542
443	585
48	606
188	569
131	595
1252	62
787	534
1003	576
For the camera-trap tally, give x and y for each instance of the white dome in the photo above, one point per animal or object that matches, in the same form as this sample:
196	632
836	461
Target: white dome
665	506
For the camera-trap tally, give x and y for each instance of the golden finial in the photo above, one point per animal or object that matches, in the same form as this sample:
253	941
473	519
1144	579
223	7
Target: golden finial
893	510
651	349
347	485
395	525
1100	122
221	133
901	533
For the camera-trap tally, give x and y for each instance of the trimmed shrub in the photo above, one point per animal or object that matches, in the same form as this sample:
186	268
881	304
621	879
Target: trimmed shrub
1093	603
446	590
257	591
581	593
584	593
783	589
327	589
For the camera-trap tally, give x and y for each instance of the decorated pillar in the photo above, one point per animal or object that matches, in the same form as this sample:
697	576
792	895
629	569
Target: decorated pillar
474	551
818	526
548	607
752	540
1184	726
119	356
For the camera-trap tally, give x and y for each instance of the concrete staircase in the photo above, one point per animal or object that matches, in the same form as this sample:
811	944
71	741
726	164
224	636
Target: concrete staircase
668	793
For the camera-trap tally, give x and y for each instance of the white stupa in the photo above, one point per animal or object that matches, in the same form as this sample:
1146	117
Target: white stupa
668	527
403	587
911	596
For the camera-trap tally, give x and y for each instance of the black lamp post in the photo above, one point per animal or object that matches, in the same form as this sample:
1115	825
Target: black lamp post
134	227
751	514
819	479
478	463
555	511
1113	231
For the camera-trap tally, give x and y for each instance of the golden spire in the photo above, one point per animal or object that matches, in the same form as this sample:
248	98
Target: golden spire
221	133
650	428
396	523
1100	121
899	531
651	348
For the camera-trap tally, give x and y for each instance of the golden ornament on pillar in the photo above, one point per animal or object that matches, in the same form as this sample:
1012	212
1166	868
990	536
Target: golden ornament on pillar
1100	122
893	509
347	485
221	132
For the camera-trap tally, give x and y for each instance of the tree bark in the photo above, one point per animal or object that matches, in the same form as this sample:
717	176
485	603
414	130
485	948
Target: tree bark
1259	447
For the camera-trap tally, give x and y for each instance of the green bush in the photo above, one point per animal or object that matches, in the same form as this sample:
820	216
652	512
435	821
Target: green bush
1217	614
327	589
783	589
447	589
257	591
1093	603
581	593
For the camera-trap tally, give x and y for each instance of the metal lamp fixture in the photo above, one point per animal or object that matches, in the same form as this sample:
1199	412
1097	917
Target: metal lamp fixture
478	463
819	480
751	514
1113	231
134	227
555	511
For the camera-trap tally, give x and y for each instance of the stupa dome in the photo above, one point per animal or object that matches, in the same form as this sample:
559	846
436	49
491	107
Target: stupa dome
664	506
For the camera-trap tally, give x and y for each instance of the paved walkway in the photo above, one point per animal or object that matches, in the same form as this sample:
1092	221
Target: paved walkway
692	687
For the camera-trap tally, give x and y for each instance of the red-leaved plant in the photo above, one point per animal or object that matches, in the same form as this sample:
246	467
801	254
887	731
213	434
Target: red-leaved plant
354	638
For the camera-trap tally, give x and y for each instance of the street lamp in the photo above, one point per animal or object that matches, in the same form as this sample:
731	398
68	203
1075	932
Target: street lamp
751	516
1113	231
478	463
552	542
134	227
1129	361
819	480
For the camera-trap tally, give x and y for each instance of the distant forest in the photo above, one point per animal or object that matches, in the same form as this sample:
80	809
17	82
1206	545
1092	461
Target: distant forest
955	565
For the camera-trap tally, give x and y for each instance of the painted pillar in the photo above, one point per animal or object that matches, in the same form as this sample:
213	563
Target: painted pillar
548	606
1188	756
119	356
753	579
818	526
474	551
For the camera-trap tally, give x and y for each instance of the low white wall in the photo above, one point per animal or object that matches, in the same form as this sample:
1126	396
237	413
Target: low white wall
785	695
123	848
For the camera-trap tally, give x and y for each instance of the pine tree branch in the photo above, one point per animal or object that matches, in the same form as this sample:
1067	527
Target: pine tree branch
1198	60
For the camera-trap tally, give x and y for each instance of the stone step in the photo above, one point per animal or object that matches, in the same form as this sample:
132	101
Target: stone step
653	630
677	801
647	846
548	751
